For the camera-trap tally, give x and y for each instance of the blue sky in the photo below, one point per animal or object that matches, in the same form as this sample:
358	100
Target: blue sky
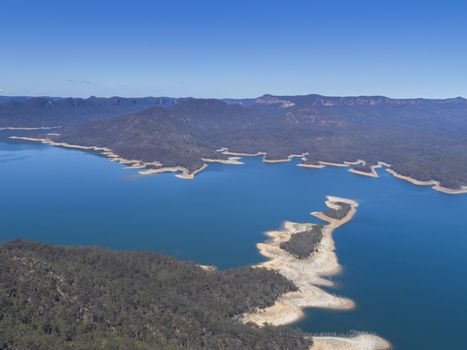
233	48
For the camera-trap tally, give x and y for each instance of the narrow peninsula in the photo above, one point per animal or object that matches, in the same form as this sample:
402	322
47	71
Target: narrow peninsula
75	297
304	253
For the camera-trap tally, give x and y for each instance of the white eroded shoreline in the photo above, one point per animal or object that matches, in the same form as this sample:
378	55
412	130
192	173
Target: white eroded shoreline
184	173
29	129
433	183
230	160
307	274
372	172
288	159
362	341
233	159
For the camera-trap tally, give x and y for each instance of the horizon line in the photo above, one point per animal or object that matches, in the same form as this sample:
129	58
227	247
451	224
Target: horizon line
237	98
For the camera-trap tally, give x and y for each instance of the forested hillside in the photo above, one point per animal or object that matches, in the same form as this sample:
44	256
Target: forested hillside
420	138
54	297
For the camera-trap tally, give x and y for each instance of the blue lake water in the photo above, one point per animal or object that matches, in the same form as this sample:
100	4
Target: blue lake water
404	254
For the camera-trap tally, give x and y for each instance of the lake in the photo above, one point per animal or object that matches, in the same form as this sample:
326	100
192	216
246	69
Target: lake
404	254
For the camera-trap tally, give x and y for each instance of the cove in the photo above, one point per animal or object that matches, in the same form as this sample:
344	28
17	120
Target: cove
403	254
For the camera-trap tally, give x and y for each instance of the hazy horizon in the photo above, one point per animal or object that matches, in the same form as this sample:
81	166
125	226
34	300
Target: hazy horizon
233	98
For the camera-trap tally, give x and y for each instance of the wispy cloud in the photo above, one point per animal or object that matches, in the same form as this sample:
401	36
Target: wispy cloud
5	91
80	82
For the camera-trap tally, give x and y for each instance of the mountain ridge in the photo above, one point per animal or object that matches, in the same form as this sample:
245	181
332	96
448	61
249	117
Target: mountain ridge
421	138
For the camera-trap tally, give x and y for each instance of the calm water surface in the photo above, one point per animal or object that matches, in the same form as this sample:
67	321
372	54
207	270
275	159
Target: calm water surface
404	254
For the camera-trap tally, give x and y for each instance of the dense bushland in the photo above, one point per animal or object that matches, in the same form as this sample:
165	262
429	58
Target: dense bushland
302	244
54	297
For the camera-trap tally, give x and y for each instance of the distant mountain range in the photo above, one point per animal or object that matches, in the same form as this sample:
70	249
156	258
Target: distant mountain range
45	111
13	98
422	138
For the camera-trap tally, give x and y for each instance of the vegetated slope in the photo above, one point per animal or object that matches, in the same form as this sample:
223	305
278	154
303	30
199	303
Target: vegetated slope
303	243
176	136
151	135
50	111
55	297
338	213
424	139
